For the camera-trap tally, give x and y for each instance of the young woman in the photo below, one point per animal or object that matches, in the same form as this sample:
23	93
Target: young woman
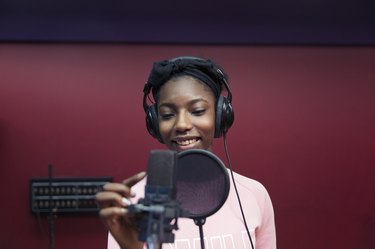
188	113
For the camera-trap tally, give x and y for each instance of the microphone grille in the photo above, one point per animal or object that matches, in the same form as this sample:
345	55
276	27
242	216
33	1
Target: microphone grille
161	168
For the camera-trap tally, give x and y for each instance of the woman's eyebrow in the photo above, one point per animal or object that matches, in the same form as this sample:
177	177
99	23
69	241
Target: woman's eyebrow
191	102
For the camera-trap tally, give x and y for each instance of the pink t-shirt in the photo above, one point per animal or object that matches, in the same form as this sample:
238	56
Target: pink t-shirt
225	229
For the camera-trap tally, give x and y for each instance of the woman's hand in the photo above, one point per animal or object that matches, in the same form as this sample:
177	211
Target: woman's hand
113	203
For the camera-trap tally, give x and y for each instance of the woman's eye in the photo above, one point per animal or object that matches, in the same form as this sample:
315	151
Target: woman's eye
166	116
199	112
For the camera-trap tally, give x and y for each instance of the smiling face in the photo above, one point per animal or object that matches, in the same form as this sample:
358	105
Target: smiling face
186	114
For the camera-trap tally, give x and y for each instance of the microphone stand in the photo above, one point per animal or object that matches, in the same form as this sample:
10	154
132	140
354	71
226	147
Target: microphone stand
155	226
158	222
200	222
153	242
50	215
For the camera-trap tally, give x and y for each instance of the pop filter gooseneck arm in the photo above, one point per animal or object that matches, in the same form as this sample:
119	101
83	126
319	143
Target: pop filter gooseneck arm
200	222
235	187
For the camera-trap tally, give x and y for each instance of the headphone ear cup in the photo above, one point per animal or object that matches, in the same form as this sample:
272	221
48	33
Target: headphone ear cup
152	123
224	116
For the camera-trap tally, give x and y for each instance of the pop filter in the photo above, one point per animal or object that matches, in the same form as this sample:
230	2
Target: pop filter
202	183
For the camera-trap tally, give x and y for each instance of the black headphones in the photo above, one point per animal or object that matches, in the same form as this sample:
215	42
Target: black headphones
224	115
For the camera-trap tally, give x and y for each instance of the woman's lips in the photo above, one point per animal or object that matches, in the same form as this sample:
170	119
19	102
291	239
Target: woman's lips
185	142
188	143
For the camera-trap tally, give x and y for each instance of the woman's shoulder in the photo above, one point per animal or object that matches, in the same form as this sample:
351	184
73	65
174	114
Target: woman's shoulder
249	184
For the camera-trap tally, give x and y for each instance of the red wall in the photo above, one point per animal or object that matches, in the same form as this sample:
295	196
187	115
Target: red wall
304	128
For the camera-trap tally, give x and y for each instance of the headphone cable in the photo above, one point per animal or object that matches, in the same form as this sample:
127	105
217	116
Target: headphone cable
235	187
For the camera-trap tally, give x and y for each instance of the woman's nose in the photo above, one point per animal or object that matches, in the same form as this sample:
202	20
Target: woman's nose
183	122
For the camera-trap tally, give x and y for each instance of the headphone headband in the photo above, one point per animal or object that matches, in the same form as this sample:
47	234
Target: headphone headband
203	69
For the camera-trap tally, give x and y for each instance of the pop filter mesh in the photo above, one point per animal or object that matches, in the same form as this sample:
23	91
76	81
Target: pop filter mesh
202	182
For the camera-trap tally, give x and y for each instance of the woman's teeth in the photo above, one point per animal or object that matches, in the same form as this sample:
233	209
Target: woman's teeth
186	142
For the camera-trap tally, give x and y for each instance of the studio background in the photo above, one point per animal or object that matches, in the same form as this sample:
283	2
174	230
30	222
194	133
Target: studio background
304	128
304	101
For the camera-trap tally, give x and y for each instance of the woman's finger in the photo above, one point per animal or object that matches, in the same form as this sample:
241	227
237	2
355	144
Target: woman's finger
134	179
107	199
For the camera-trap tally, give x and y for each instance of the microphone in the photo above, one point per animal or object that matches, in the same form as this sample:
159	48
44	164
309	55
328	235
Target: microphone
159	209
